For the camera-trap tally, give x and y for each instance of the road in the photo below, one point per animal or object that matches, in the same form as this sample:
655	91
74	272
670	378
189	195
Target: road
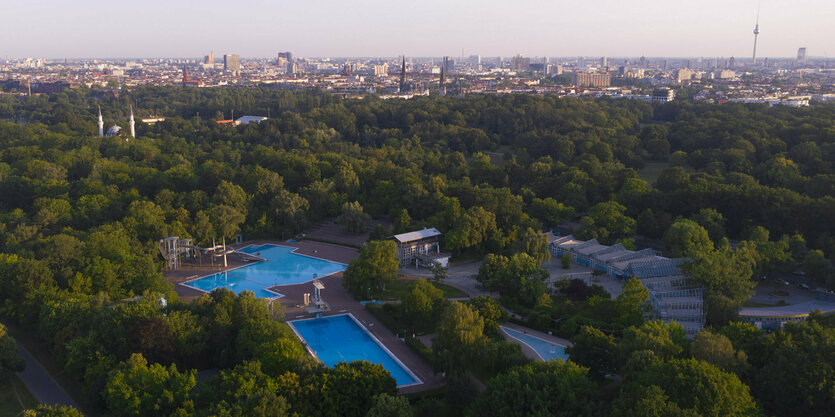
40	383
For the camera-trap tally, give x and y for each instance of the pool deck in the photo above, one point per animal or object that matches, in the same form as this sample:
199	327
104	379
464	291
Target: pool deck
339	299
527	350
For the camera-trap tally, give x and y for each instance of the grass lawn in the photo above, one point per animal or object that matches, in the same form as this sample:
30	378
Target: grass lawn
397	289
12	394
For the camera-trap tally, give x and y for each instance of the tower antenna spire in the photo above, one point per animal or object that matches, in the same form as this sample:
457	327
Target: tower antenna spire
756	33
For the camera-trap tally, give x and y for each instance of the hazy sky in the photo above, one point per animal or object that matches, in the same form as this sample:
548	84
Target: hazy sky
260	28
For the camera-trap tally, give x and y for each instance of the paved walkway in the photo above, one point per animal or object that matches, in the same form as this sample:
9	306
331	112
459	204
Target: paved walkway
40	383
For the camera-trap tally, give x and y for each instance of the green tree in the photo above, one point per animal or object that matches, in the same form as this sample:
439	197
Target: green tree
472	230
402	221
664	340
607	222
534	244
376	265
552	388
550	212
460	332
386	405
595	350
53	411
686	238
422	303
10	360
136	389
798	373
718	350
633	302
490	310
726	275
698	386
353	218
242	392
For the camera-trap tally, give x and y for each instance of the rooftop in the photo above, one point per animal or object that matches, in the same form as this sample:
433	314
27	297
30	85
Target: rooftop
417	235
794	310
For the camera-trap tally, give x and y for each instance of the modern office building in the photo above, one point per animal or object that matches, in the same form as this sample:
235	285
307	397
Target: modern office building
209	59
232	63
801	55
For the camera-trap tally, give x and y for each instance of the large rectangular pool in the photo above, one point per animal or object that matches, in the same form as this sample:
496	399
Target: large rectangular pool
281	266
544	349
342	338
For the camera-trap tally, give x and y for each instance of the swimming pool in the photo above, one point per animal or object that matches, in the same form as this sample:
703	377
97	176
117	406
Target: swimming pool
280	267
342	338
545	349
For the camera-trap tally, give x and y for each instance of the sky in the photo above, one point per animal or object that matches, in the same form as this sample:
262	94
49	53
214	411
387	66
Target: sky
317	28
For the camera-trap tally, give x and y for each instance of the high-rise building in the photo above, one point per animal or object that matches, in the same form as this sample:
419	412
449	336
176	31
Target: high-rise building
592	79
232	63
604	62
801	54
449	65
520	64
132	123
284	58
403	75
101	124
209	59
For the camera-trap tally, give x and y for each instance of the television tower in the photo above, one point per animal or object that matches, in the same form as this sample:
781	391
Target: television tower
101	124
756	32
132	123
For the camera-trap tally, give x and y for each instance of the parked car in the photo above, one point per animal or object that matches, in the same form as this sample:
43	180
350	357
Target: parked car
802	285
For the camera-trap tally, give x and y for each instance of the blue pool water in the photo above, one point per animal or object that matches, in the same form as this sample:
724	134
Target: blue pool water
545	349
340	338
281	267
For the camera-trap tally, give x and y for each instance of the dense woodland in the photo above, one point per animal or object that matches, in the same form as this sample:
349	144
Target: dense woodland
744	192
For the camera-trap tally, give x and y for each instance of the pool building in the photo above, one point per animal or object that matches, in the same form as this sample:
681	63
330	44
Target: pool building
673	297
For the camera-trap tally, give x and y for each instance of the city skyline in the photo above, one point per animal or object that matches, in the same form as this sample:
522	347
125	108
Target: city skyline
433	28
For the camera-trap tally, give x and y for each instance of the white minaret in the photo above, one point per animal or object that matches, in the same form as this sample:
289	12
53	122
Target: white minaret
132	123
101	124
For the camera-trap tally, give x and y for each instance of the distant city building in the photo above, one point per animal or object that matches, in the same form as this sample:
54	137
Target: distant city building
232	63
604	62
801	55
663	95
592	79
684	74
284	58
520	64
449	65
209	59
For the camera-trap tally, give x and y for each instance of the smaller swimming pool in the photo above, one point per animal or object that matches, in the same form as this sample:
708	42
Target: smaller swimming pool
545	349
342	338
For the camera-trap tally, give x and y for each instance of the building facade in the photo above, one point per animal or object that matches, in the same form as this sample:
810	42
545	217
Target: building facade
592	79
